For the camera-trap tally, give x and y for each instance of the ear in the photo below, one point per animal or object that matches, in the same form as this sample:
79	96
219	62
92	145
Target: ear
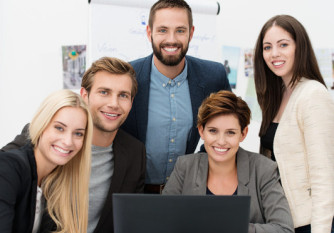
84	94
200	131
191	33
244	134
149	33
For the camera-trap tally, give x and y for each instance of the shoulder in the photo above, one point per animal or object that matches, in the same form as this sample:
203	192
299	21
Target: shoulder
136	64
194	62
18	162
305	87
258	162
127	143
21	156
125	138
192	160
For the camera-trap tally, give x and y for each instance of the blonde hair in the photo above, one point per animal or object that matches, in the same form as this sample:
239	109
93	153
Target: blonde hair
66	187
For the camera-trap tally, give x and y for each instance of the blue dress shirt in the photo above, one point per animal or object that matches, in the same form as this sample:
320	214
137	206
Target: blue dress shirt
169	122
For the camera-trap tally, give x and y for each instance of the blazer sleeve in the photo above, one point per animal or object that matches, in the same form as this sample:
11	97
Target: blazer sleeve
317	120
10	187
19	140
141	182
274	205
176	179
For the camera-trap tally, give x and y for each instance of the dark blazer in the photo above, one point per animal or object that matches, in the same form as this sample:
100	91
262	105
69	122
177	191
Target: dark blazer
18	189
128	176
204	77
257	177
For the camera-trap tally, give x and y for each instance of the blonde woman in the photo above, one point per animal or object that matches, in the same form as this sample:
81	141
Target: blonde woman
55	163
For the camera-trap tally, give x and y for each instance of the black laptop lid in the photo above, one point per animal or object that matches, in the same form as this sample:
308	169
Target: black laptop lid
152	213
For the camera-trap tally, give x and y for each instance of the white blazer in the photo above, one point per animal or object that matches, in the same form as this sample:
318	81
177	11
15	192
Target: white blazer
304	150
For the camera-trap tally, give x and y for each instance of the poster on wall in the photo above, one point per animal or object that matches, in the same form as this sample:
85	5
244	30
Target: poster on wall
231	57
250	96
74	65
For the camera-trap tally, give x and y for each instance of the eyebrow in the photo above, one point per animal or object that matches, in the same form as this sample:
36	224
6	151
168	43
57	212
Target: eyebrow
277	41
59	122
108	89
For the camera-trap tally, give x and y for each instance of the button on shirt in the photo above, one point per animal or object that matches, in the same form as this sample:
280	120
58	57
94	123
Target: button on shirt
169	122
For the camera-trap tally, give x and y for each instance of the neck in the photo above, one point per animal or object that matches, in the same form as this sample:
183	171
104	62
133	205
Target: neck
225	169
286	81
103	139
43	169
169	71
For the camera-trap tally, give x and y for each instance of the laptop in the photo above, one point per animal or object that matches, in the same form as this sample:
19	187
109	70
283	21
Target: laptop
153	213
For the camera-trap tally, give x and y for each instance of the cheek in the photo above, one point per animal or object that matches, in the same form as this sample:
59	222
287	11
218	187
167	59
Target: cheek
265	57
78	143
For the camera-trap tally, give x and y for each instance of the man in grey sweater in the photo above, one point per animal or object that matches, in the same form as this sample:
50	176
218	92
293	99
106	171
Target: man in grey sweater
118	159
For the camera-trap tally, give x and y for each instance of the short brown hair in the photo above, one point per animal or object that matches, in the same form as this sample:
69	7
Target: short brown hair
163	4
223	103
113	66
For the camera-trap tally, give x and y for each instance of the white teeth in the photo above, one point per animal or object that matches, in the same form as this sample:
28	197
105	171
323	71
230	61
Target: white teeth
278	63
111	115
220	149
61	150
170	49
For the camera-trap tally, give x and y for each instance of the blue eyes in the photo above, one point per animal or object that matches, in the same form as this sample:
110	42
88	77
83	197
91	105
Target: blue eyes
61	129
269	47
122	95
79	134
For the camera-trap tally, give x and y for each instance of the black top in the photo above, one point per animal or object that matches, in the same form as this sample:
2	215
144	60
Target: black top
208	191
267	140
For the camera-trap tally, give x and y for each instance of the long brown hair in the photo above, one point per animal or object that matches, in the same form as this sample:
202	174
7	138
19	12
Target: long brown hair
270	87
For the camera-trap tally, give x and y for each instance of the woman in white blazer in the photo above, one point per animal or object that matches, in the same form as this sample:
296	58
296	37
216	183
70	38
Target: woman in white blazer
297	121
227	169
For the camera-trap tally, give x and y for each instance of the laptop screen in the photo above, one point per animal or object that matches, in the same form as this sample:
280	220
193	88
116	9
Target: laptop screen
153	213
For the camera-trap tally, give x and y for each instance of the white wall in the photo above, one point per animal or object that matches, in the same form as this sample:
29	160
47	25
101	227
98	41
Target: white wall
32	33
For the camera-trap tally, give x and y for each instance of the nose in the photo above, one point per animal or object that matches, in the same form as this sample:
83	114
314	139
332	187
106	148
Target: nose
113	101
221	139
171	37
68	139
275	52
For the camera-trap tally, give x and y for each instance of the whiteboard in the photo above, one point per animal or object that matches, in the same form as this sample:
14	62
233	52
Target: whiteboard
118	29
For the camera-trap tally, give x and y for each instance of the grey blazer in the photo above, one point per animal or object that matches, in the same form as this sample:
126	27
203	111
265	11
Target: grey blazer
257	177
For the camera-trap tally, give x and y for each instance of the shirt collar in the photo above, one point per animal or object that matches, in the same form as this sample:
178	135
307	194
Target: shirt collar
165	81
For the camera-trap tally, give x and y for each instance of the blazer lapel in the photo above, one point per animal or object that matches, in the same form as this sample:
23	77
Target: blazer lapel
140	103
243	172
196	89
120	164
202	175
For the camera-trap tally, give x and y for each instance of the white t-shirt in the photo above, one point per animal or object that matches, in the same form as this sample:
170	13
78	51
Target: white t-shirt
38	211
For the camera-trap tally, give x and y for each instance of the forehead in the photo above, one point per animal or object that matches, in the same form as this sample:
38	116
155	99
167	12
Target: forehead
116	82
171	16
224	121
66	115
275	33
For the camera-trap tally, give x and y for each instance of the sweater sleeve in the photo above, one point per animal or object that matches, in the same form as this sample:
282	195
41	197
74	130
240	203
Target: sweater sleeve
317	121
